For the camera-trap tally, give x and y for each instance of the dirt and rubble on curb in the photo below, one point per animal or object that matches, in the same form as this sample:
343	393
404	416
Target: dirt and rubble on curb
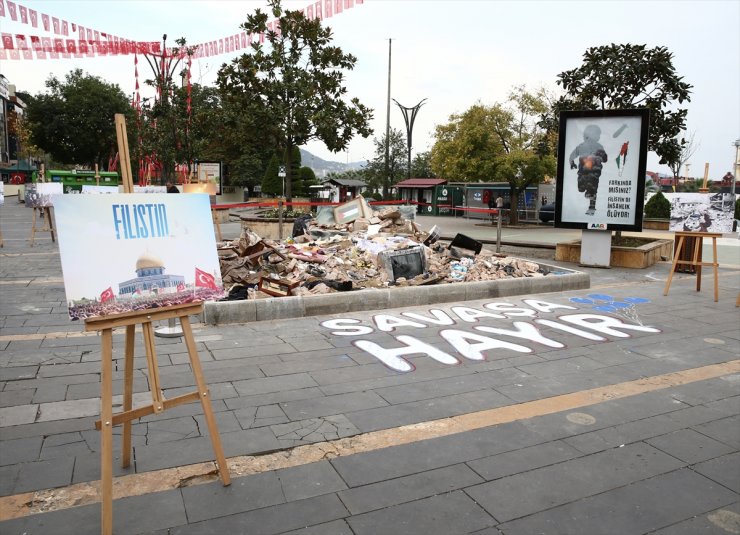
366	249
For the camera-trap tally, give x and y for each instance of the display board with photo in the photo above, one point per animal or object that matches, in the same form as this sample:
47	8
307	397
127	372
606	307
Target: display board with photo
701	212
210	172
602	156
128	252
40	194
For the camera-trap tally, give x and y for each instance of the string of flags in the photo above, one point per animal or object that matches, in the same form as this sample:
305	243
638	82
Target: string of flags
70	40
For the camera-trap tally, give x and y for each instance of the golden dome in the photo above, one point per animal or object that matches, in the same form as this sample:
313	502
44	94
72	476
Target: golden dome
148	260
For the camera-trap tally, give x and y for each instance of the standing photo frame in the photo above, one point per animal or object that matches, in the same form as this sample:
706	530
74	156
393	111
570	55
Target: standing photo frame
602	158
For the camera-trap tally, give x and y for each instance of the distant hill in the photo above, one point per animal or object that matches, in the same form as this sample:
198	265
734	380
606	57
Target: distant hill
323	167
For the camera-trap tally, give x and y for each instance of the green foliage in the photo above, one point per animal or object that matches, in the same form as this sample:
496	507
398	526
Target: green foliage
376	196
74	121
737	208
307	178
272	184
658	207
294	84
421	165
498	142
631	76
376	175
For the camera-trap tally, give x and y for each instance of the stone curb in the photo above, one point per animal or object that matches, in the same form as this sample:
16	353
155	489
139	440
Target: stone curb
223	312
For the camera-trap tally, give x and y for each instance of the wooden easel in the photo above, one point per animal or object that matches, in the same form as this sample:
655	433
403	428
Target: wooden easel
145	318
48	223
214	215
106	324
698	243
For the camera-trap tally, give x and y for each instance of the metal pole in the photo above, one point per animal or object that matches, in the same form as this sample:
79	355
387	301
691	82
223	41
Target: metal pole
171	331
386	186
737	167
498	231
409	120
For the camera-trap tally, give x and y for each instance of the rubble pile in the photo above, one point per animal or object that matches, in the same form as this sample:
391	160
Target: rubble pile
373	250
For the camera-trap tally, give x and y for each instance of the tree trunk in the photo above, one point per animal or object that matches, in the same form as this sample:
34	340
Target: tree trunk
288	173
513	214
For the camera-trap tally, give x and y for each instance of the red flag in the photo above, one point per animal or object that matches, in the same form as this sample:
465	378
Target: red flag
338	6
11	10
45	21
55	23
181	287
65	28
317	11
205	280
8	41
328	8
107	295
34	18
2	8
24	14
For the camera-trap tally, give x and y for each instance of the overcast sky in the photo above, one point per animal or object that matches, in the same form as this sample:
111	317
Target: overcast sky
453	53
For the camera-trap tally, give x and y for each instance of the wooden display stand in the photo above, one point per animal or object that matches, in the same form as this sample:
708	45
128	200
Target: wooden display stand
698	240
48	223
105	325
145	318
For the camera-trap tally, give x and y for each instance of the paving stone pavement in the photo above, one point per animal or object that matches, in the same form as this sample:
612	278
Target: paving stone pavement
663	460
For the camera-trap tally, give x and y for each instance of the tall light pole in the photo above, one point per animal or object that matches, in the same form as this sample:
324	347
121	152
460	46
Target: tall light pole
409	120
737	166
388	125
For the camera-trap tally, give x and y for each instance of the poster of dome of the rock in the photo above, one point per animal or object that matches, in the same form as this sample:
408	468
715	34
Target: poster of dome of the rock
127	252
602	156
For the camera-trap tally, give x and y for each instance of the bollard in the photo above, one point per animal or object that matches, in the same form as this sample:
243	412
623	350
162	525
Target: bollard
498	232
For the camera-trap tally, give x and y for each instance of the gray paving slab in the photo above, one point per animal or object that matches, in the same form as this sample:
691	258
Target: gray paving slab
44	475
718	522
724	470
271	520
543	488
726	430
408	489
451	512
690	446
523	460
130	516
624	510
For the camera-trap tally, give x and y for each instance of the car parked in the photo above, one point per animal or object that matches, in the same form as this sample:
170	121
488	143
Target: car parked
547	212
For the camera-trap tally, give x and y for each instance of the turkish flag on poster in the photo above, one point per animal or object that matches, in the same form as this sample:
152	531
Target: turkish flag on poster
181	287
205	280
107	295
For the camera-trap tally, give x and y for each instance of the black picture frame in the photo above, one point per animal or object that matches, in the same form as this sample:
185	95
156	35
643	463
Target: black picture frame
602	159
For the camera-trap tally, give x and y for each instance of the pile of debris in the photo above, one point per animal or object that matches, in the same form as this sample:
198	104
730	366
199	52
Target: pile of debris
357	249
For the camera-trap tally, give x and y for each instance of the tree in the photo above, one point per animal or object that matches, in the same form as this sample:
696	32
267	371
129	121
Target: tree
466	148
380	178
307	179
498	142
272	184
421	165
296	82
687	150
165	133
632	76
74	121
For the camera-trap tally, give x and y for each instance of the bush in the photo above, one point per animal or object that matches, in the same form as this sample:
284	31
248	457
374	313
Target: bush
377	196
737	208
658	207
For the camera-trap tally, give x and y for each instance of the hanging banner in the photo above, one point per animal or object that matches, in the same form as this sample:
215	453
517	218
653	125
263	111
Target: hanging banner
602	156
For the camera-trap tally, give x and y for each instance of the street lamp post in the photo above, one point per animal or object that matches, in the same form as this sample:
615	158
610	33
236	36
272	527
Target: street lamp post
409	120
281	174
737	166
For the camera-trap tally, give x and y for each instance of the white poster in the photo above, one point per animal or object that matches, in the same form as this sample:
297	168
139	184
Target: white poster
701	212
99	189
601	170
39	195
124	252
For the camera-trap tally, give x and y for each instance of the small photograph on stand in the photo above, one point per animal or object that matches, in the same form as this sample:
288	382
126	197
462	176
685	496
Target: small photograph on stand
602	156
129	252
701	212
39	195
